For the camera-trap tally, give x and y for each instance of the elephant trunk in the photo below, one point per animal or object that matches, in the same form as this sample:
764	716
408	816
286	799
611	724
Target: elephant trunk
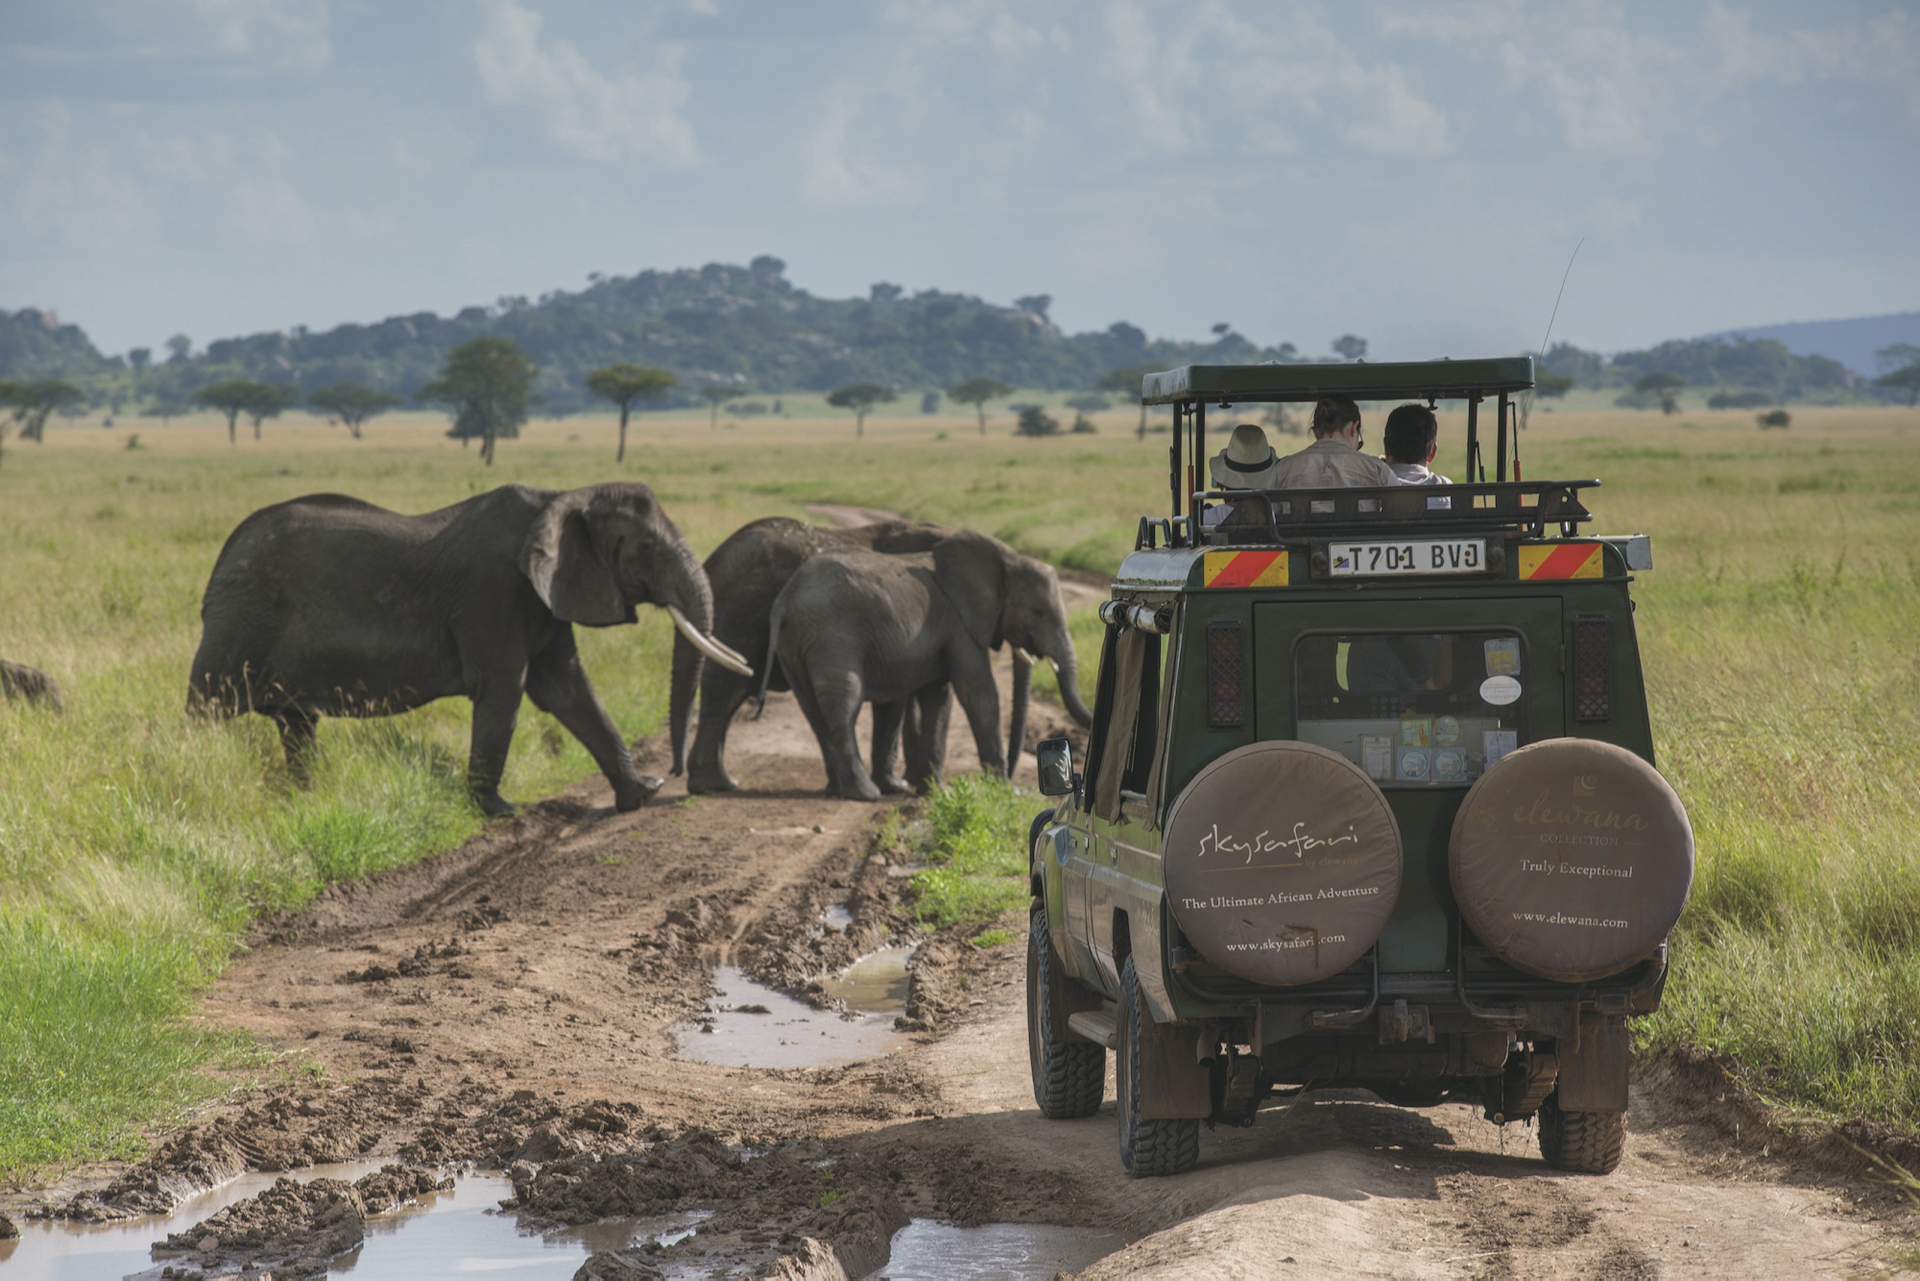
1017	724
1067	676
680	585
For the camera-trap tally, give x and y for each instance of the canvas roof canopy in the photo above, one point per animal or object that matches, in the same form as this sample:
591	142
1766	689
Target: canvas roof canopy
1402	380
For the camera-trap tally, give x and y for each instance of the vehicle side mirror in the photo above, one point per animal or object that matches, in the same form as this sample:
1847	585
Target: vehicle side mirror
1054	758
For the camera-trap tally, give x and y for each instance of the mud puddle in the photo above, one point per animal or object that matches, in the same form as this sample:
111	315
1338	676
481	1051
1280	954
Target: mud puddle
928	1250
459	1231
876	983
747	1024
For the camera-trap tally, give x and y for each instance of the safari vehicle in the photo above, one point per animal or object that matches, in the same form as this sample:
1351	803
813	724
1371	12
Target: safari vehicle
1369	798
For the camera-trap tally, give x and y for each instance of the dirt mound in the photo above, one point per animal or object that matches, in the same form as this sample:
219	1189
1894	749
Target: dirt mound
291	1230
1691	1087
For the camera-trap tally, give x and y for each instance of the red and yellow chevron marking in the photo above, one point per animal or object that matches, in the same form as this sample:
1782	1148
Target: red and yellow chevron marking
1566	560
1244	569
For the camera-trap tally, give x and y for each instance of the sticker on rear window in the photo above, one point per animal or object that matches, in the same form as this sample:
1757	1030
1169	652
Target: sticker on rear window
1499	690
1503	657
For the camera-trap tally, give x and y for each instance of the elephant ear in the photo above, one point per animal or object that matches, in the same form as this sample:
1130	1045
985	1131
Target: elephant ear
972	570
560	560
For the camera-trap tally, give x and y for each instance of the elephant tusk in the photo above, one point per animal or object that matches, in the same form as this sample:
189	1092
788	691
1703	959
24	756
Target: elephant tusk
1023	656
707	645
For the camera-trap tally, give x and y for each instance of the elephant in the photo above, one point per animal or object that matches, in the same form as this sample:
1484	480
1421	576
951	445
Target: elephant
747	572
854	626
327	605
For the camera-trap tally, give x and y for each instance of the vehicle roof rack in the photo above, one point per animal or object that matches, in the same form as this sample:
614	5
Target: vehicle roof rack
1290	514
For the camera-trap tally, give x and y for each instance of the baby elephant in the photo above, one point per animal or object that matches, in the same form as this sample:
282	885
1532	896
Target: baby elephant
326	605
854	626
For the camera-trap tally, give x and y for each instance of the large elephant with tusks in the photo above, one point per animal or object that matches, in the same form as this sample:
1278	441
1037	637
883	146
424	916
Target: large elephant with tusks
329	606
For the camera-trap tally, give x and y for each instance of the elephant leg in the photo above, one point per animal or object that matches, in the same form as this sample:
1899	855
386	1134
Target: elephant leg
979	695
558	686
929	716
496	707
721	695
887	719
296	725
836	698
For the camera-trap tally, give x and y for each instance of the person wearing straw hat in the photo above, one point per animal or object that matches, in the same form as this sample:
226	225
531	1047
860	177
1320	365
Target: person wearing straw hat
1245	462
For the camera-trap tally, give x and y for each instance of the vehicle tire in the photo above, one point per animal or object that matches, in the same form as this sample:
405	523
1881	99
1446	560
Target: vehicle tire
1148	1149
1069	1077
1584	1142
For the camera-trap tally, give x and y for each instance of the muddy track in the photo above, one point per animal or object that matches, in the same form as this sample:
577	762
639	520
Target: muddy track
511	1005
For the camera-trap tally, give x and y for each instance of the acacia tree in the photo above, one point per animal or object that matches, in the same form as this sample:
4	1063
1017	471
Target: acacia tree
625	383
977	392
351	404
487	384
33	403
1907	380
269	400
716	395
1666	387
230	396
860	398
1125	381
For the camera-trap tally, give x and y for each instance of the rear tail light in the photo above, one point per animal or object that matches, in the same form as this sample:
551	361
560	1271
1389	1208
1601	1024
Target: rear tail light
1226	676
1592	669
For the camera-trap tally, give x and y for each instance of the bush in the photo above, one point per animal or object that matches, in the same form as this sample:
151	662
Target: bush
1777	418
1036	421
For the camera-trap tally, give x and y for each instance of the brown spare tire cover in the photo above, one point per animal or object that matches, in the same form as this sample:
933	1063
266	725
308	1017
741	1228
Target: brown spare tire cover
1282	862
1571	859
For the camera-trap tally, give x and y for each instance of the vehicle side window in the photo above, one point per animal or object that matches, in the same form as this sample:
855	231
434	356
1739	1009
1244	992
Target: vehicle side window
1102	713
1135	665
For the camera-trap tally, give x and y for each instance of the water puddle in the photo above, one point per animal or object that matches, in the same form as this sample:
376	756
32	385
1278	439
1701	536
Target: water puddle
876	983
749	1025
928	1250
462	1231
837	918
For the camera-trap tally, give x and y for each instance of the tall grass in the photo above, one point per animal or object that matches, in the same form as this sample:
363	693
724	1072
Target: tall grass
975	839
135	845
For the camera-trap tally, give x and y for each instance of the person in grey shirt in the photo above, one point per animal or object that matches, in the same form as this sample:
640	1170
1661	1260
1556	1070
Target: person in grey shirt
1413	438
1333	460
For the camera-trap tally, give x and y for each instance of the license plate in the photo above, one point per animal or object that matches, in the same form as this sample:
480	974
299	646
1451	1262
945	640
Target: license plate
1416	556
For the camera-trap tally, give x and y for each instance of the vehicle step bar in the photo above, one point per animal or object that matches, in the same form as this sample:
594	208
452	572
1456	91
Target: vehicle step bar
1102	1027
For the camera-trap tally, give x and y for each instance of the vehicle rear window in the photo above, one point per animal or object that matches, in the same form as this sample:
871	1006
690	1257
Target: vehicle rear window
1413	709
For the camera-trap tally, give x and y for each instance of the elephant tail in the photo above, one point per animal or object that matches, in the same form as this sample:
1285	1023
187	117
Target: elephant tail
766	667
687	666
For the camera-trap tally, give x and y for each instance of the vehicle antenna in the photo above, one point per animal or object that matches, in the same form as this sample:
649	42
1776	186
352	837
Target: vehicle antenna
1544	340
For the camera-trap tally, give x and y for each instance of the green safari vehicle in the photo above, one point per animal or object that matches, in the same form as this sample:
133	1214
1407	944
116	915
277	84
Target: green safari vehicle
1369	798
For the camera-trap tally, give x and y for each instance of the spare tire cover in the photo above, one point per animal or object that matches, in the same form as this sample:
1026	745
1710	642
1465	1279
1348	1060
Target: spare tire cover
1282	862
1571	859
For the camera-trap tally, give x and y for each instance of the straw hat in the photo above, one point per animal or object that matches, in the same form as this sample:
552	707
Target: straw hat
1243	464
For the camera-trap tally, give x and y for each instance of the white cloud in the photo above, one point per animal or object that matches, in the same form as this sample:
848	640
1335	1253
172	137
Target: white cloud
840	174
594	116
232	37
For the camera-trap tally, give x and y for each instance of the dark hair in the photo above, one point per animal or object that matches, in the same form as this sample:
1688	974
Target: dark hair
1411	431
1333	413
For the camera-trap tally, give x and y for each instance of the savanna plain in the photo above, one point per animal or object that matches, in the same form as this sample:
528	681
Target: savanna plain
138	846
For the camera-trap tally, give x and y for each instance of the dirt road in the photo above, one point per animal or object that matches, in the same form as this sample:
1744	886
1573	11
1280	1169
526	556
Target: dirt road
510	1004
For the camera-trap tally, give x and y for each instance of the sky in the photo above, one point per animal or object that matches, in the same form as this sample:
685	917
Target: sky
1416	173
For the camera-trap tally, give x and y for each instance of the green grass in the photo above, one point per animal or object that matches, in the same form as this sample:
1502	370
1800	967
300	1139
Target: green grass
975	837
136	846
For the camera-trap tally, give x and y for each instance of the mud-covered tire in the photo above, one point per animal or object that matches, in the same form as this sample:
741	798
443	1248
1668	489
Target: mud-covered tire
1583	1142
1069	1077
1148	1149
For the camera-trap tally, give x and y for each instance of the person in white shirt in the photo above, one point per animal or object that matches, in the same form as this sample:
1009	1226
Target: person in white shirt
1413	438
